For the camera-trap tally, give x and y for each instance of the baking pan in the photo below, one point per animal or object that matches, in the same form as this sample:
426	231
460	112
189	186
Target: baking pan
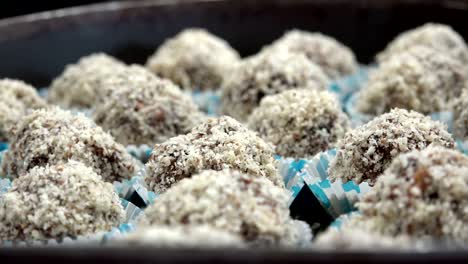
36	47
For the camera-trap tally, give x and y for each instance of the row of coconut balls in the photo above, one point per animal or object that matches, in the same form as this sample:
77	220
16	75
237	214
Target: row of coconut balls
207	148
422	70
222	177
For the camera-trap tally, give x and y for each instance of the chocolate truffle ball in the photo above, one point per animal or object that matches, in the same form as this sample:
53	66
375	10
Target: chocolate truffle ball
300	123
53	202
185	236
79	85
365	152
435	36
16	98
335	59
422	193
420	79
194	59
53	136
460	116
250	207
265	74
217	144
145	109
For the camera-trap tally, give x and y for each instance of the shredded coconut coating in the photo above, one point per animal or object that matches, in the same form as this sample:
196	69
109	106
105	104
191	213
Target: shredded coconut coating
422	193
194	59
265	74
54	202
145	109
300	122
358	235
16	98
420	79
80	84
335	59
251	207
435	36
217	144
53	136
460	116
365	152
182	236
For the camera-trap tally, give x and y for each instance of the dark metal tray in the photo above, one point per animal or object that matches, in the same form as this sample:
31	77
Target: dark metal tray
36	47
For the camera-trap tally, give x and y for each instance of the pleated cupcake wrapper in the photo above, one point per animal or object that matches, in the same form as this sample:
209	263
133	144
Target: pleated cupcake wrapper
135	191
5	184
43	92
462	146
3	146
208	101
337	198
140	152
357	118
346	86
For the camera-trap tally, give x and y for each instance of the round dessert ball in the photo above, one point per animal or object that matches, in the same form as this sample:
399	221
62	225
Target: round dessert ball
16	98
300	122
460	113
145	109
53	136
422	193
365	152
57	201
359	238
79	85
217	144
335	59
420	79
250	207
265	74
185	236
194	59
436	36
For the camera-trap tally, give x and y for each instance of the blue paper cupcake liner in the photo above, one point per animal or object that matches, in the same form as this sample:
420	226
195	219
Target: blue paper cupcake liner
462	146
5	184
43	92
3	146
357	118
135	191
208	101
346	86
140	152
337	198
